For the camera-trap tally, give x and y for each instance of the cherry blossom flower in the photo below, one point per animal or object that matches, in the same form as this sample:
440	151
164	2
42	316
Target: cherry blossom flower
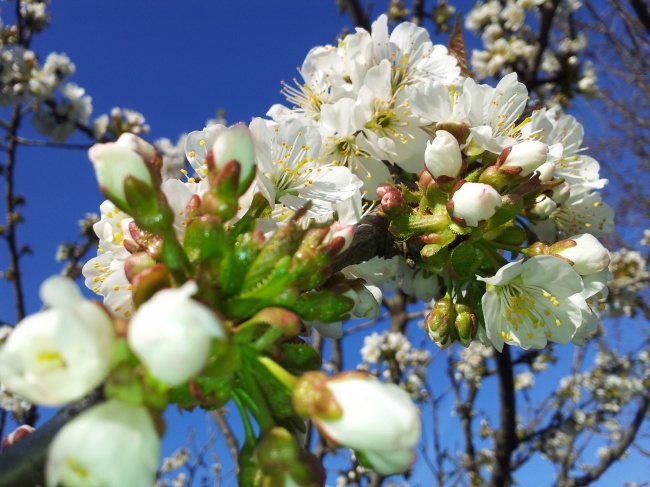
290	173
378	420
60	354
105	445
528	303
475	202
172	334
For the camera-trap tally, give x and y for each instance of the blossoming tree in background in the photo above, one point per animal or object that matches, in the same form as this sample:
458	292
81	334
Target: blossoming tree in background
393	176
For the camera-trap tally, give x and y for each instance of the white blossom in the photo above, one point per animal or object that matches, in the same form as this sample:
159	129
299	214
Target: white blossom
62	353
107	445
172	334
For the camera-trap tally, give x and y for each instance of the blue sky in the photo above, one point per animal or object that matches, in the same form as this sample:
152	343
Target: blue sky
177	63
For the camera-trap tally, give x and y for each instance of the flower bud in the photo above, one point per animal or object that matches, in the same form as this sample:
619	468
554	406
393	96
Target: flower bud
528	155
393	202
378	420
442	156
439	323
62	353
113	163
172	334
137	145
104	446
546	171
17	435
543	208
473	203
466	324
586	254
339	238
236	144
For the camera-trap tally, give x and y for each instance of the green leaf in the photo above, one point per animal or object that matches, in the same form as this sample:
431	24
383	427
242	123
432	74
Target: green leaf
300	357
464	260
323	306
205	240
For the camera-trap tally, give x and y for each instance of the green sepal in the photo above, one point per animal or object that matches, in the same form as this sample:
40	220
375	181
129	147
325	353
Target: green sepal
405	226
299	357
148	282
235	265
412	197
511	206
278	397
206	392
205	240
282	244
464	261
436	199
324	306
250	474
511	235
457	229
473	149
124	385
435	256
148	206
273	291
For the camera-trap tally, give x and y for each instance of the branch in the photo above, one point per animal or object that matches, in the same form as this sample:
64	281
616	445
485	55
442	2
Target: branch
506	436
356	13
642	13
23	464
371	239
618	450
547	13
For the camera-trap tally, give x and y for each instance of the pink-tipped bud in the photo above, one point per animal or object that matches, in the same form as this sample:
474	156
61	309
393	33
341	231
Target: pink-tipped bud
528	155
16	435
340	237
474	202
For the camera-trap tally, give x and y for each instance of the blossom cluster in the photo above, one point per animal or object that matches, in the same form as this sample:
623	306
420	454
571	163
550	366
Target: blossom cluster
509	43
213	277
404	364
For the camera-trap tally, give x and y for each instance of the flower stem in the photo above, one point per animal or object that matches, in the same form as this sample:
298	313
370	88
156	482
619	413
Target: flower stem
279	372
249	434
175	257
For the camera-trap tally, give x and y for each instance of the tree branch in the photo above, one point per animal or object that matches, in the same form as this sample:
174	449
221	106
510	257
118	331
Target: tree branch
506	436
23	464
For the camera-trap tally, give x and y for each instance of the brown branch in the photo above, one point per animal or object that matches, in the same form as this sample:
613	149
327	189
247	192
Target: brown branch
371	238
231	442
13	274
506	436
465	409
356	13
23	464
618	450
547	14
642	13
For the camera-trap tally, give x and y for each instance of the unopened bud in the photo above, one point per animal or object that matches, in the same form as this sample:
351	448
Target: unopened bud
236	144
16	435
473	203
393	203
466	324
526	157
543	208
442	157
439	323
585	253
